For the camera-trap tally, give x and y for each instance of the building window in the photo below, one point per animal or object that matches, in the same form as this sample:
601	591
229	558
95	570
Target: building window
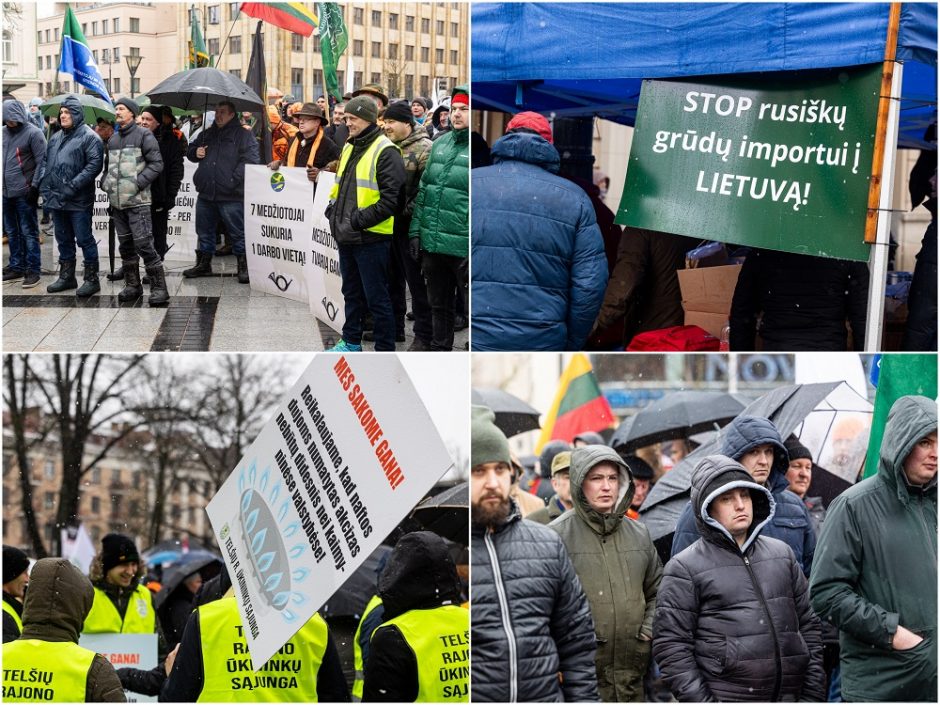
47	35
409	84
135	51
392	20
235	45
135	24
96	476
376	50
317	81
56	34
84	30
425	25
96	505
39	37
94	55
95	534
116	504
116	24
439	56
105	56
233	10
116	54
392	51
213	14
236	73
453	56
409	23
48	500
357	79
213	47
357	47
116	476
340	76
104	26
358	13
107	85
440	28
376	78
454	30
409	52
316	42
425	54
49	62
117	86
50	470
94	29
425	85
376	18
296	42
297	84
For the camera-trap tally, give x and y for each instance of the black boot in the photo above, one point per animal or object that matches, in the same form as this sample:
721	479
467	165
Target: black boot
242	268
117	275
91	285
66	278
132	289
203	266
159	295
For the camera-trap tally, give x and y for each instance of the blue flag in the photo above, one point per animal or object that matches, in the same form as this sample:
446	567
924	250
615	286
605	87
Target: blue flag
76	58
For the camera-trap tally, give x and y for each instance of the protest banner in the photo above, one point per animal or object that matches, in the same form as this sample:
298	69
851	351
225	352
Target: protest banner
77	547
781	162
125	651
323	277
347	454
278	228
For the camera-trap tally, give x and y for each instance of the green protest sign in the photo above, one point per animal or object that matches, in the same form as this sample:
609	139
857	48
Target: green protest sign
781	162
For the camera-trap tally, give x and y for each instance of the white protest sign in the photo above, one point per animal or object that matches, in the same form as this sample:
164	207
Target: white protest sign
181	225
346	456
125	651
77	547
99	224
323	278
278	216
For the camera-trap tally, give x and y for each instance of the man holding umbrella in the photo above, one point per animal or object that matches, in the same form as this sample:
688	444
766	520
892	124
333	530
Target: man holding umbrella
222	152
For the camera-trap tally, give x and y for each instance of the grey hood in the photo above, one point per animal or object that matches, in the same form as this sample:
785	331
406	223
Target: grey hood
74	106
15	111
582	460
910	419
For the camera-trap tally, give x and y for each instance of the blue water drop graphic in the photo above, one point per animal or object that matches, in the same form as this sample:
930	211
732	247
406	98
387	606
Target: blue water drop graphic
296	551
251	520
272	582
280	600
275	491
246	499
289	616
299	598
291	530
252	473
300	574
282	512
265	561
258	541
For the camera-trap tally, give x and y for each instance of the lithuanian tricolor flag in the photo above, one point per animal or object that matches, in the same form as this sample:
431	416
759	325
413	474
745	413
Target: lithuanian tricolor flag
579	405
292	16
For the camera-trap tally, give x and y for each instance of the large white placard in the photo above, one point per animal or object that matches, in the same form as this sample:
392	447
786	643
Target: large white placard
278	226
125	651
347	454
323	278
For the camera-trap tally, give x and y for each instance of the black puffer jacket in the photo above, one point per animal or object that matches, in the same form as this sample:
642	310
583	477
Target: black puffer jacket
530	619
736	623
73	162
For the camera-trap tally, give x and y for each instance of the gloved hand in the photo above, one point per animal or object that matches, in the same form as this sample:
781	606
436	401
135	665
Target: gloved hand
32	196
414	248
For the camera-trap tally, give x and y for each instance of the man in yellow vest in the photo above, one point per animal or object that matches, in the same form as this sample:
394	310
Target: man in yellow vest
363	204
309	147
46	664
422	651
373	615
15	580
122	604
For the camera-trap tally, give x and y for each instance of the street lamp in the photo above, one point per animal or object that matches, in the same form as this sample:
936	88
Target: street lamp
133	63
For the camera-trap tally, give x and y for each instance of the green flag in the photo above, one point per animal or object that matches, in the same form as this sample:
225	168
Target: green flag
198	54
895	376
333	42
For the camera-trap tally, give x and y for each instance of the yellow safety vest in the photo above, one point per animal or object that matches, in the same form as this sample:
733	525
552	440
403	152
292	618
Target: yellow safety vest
8	608
37	671
367	185
440	640
357	650
289	676
139	617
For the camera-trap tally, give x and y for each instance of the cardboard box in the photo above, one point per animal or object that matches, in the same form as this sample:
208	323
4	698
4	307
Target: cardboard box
707	294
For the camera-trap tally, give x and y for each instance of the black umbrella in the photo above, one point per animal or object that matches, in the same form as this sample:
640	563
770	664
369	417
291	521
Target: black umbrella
677	415
446	514
200	89
187	564
350	600
513	416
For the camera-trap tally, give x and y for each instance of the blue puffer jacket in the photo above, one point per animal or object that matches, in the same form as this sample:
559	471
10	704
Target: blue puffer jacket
539	269
220	176
791	522
73	162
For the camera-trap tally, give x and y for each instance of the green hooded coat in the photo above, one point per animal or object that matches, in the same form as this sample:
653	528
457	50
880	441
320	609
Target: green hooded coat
876	568
620	571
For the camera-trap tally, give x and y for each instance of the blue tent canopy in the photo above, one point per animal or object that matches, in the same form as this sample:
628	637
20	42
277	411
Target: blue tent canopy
583	59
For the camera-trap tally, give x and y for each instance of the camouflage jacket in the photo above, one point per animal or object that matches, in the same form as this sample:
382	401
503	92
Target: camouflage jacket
131	163
415	149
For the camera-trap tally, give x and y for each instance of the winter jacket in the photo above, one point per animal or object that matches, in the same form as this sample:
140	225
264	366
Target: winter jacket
877	569
735	623
549	512
348	224
620	570
529	618
173	147
131	164
327	152
420	575
790	523
539	269
57	601
11	630
803	302
220	176
415	150
73	162
433	127
24	151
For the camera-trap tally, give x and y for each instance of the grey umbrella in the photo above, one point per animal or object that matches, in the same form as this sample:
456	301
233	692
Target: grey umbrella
513	416
200	89
446	513
187	564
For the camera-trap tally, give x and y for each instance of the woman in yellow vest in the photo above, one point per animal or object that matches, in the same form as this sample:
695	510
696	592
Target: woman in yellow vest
15	580
46	664
421	653
122	604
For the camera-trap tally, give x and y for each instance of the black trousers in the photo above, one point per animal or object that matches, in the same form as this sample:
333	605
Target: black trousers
446	278
403	269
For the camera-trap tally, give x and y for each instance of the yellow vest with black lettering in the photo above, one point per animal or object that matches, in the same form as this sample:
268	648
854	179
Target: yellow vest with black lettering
288	676
139	617
357	650
8	608
37	671
367	185
440	640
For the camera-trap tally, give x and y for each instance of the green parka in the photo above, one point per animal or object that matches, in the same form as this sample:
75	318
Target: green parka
441	212
876	568
620	571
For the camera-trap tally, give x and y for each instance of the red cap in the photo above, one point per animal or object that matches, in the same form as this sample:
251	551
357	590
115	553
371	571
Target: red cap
531	121
460	98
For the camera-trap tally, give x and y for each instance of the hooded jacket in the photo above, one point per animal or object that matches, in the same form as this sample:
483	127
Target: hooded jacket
620	571
73	161
58	599
735	623
132	162
433	126
220	175
24	151
790	523
173	147
877	569
539	269
415	149
529	618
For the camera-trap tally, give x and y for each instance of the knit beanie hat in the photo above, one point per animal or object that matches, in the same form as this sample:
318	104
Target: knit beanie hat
400	111
549	451
531	121
117	549
364	108
15	563
156	111
797	450
130	104
460	97
488	443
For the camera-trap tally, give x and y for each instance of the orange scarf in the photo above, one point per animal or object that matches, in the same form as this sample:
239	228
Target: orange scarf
295	147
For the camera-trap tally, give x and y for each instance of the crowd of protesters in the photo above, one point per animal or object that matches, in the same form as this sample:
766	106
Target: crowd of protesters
754	602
